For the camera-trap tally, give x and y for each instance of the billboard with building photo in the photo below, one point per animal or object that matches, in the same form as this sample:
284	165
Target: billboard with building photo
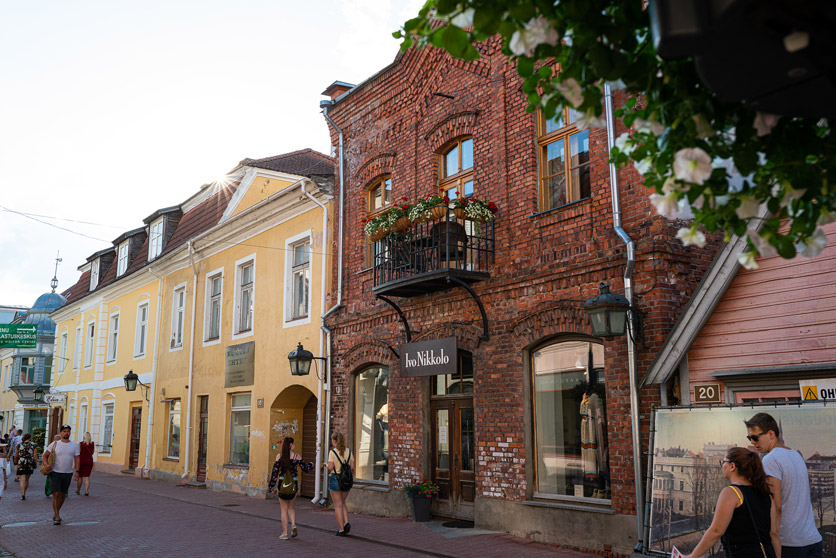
689	445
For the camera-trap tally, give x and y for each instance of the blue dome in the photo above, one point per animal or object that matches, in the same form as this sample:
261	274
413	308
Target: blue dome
47	303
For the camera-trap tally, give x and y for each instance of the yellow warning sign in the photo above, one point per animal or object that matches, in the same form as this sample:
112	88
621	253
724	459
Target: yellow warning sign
811	393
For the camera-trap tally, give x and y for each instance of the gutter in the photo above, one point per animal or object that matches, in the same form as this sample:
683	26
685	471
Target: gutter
149	435
191	364
631	346
325	104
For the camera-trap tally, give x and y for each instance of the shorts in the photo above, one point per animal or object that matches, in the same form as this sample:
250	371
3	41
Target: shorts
60	482
334	483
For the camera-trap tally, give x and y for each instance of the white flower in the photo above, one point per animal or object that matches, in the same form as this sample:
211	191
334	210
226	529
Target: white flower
826	217
691	236
537	31
812	246
589	120
698	203
704	129
655	128
625	144
764	123
692	164
685	211
749	207
571	89
763	247
667	205
747	260
463	19
791	193
643	166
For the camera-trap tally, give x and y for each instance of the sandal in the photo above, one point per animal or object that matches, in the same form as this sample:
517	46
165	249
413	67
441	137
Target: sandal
56	521
293	532
283	537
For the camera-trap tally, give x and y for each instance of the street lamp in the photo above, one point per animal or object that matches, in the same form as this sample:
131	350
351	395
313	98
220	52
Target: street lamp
300	361
131	380
607	313
38	393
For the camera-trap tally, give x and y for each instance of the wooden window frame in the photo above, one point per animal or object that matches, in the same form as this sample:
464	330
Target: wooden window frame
371	211
544	139
458	179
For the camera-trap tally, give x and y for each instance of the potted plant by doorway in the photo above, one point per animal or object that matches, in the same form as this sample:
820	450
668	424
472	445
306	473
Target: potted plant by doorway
421	495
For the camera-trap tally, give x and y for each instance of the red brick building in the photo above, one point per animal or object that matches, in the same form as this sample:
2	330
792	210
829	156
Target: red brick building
531	431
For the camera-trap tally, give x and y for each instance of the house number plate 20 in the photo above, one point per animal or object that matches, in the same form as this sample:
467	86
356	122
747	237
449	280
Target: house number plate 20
707	393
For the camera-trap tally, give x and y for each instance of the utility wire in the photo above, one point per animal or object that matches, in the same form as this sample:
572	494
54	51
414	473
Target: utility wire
52	225
61	219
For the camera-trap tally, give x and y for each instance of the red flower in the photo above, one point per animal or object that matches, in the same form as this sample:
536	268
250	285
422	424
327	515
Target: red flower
404	198
463	202
446	199
492	206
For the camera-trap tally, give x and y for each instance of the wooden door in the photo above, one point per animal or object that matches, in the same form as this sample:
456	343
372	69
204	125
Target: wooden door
202	437
454	458
136	430
308	448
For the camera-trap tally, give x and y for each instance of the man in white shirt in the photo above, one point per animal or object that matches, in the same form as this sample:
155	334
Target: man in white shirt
787	476
64	470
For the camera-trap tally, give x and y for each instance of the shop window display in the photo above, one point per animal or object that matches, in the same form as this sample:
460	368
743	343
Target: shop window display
371	424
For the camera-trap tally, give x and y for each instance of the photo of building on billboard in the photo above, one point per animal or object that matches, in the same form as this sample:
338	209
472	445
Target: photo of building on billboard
689	445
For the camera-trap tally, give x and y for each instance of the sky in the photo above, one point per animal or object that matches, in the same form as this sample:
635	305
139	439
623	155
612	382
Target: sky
111	110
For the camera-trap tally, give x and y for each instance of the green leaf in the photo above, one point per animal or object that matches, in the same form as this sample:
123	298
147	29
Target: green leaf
445	7
785	246
437	37
456	41
522	12
525	66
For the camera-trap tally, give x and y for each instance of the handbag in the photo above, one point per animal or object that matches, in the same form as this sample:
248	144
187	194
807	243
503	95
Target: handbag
46	466
752	517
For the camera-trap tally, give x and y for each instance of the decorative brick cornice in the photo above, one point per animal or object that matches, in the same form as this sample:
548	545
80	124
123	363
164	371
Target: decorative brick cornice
373	168
560	318
456	125
468	337
366	353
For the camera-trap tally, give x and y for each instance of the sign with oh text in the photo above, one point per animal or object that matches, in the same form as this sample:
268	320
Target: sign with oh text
240	365
429	358
18	336
818	390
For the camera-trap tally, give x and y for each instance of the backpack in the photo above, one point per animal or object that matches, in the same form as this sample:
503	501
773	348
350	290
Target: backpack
345	477
287	485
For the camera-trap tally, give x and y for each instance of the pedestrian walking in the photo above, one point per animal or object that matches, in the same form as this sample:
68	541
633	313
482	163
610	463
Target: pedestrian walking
85	463
64	470
742	517
47	488
26	457
790	483
18	438
285	481
341	475
3	461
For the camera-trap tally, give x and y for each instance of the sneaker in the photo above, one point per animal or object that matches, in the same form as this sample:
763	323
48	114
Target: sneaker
340	533
283	537
293	532
347	528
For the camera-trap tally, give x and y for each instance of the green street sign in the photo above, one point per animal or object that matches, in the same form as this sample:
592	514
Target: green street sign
18	336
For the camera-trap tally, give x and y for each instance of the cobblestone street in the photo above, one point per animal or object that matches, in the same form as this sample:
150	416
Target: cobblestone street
124	516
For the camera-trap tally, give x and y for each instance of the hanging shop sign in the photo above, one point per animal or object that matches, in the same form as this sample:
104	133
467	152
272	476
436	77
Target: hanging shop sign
18	336
429	358
240	365
818	390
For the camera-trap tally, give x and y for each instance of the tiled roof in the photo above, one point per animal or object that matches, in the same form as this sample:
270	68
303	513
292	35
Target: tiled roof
202	217
305	162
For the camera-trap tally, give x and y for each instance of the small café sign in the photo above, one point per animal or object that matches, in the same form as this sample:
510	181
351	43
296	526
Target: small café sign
429	358
240	365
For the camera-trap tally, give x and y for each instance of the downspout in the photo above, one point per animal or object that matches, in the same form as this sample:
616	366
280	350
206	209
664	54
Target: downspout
191	365
631	348
322	348
341	155
150	428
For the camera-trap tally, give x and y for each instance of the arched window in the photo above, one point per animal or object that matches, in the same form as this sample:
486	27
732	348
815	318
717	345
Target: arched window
570	419
564	160
371	424
456	166
379	198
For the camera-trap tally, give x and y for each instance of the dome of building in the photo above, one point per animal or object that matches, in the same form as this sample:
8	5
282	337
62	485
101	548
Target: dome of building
39	313
48	302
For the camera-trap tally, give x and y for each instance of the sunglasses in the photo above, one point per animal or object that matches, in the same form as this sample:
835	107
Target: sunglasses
754	437
725	461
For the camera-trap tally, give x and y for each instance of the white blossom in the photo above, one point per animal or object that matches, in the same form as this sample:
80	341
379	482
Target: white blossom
571	89
791	193
749	207
685	211
463	19
764	123
704	129
690	236
589	120
826	217
763	247
692	164
812	246
537	31
667	205
747	260
655	128
643	166
625	144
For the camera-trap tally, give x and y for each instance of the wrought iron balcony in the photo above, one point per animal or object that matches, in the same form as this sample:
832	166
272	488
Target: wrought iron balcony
429	256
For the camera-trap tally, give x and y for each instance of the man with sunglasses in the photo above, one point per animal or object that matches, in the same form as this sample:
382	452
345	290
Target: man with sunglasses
787	477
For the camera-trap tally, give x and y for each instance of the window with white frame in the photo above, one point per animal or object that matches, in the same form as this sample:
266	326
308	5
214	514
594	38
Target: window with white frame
239	429
107	428
214	294
62	353
245	293
300	296
82	419
122	259
113	337
94	274
77	350
155	239
76	434
173	429
91	341
141	334
178	316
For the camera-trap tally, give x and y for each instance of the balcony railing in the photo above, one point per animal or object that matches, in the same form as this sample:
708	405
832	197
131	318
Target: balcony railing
424	258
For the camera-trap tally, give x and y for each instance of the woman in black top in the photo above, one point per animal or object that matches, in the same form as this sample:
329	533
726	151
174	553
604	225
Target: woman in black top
742	517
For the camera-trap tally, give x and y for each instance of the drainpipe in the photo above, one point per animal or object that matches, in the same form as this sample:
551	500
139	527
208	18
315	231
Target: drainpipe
150	428
324	105
631	348
322	348
191	365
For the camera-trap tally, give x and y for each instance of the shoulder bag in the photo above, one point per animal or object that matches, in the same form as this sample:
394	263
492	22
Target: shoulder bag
49	462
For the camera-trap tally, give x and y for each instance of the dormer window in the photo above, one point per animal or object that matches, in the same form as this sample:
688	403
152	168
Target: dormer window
94	274
122	259
155	239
